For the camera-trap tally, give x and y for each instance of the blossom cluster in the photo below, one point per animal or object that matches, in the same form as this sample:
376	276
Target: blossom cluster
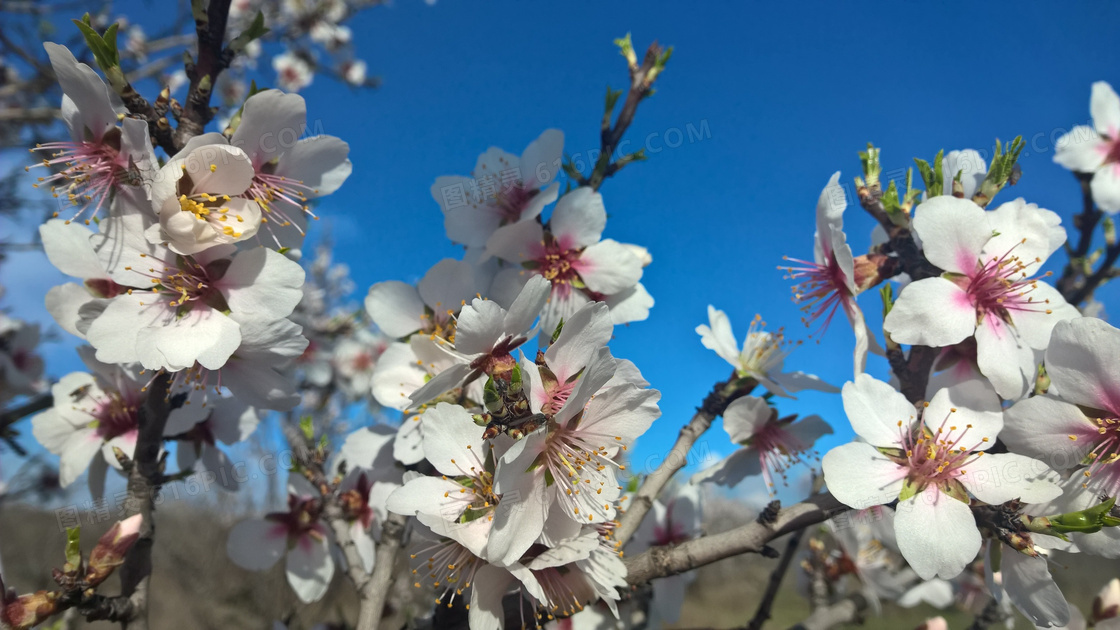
185	271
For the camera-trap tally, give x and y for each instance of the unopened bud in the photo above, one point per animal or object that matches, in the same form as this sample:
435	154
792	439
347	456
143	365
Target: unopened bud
871	269
27	611
112	548
1107	603
958	189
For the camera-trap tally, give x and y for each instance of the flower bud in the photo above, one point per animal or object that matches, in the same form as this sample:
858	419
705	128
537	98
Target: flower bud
1107	603
111	549
27	611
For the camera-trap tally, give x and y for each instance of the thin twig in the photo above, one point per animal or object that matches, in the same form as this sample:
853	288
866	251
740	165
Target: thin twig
376	590
751	538
717	400
990	616
762	614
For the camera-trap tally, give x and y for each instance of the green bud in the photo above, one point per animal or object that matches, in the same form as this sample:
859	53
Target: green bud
869	160
73	548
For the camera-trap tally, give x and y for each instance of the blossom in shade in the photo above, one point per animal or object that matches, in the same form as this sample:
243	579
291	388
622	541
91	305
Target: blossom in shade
761	358
485	335
21	368
770	445
509	190
569	467
95	412
1095	150
297	534
931	465
987	291
1024	579
226	421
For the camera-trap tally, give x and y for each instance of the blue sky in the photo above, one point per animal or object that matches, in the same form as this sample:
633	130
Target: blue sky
783	95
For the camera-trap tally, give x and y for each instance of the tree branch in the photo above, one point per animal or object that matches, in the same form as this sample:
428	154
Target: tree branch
213	58
376	590
144	477
751	538
762	615
714	404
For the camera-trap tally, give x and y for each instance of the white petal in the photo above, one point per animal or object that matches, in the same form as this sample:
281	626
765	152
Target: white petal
745	416
452	441
587	331
363	544
1081	363
608	267
578	219
966	413
256	544
321	163
953	232
540	161
488	589
67	244
936	534
1041	426
999	478
1104	106
717	336
269	120
1106	187
1004	358
446	285
931	312
1025	231
527	306
859	476
85	88
310	568
77	451
263	281
1081	150
875	410
395	308
1030	587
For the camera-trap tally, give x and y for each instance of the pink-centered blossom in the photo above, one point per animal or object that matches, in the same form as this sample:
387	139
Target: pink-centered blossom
1096	150
101	159
987	291
933	466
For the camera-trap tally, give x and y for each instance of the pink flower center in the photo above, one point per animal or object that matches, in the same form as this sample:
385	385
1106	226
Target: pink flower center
558	264
938	457
565	590
90	171
778	450
116	413
1105	453
1112	150
187	283
1001	287
512	201
301	522
821	289
670	532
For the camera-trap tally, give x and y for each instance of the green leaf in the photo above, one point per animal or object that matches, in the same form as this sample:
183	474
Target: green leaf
73	546
1003	165
556	333
626	48
612	99
869	160
887	295
255	31
307	427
